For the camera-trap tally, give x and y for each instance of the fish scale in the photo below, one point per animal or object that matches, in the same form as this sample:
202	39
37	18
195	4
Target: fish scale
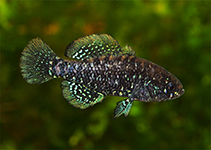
101	75
102	67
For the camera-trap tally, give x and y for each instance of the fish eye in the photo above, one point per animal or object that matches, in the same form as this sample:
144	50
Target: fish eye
171	86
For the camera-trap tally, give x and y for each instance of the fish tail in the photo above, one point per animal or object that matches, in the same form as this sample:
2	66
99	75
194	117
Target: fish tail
36	61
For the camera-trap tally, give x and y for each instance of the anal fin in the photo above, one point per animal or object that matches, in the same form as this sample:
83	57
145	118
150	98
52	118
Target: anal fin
123	107
79	95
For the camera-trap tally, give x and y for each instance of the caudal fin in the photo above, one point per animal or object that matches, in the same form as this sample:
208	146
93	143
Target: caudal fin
36	61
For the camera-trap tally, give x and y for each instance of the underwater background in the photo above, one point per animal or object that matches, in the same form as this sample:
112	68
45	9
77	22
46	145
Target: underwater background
172	34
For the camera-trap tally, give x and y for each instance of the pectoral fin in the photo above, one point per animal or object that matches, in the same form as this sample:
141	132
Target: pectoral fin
123	107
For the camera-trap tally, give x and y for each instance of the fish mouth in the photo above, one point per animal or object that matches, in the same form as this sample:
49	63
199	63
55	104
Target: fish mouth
182	91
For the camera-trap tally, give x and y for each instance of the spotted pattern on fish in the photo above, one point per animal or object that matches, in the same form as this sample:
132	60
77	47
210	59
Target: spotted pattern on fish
102	67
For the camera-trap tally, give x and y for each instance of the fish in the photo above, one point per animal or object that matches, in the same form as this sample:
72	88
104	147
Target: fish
98	66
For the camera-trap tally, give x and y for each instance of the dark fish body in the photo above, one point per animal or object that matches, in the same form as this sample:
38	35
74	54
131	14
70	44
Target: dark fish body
102	68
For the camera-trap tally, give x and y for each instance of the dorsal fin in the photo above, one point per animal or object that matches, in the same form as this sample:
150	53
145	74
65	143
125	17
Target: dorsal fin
96	45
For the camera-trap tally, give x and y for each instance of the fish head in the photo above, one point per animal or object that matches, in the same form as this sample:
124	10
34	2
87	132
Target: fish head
157	84
173	87
165	86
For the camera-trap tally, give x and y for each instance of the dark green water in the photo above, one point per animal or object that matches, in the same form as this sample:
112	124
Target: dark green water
175	35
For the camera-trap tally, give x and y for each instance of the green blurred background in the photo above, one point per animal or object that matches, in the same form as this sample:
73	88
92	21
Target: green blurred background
173	34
